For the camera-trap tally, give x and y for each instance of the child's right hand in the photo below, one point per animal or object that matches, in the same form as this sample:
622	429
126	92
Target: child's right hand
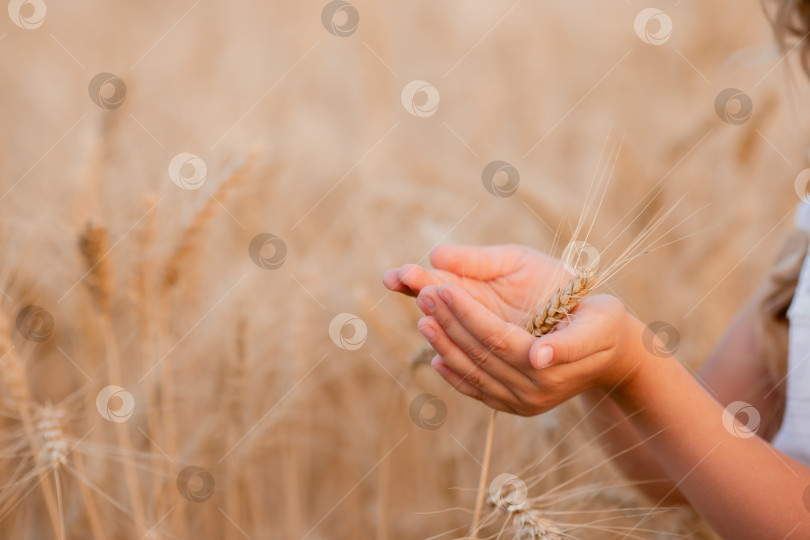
509	280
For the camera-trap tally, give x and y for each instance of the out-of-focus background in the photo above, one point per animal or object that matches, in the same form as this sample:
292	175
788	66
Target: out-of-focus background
193	193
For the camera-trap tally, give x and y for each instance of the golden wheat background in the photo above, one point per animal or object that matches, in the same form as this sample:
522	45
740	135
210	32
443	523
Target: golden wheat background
231	367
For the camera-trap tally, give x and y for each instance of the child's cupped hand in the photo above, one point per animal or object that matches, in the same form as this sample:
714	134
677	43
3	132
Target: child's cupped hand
509	280
483	354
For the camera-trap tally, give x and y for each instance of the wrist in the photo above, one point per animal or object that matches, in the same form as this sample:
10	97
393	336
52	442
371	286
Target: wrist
629	360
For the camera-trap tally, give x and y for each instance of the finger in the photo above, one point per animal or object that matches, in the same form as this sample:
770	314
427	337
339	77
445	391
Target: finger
456	359
473	326
580	338
392	282
460	384
560	347
408	279
416	278
493	361
426	304
488	262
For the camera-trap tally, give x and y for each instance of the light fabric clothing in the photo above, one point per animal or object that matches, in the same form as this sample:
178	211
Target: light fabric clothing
794	436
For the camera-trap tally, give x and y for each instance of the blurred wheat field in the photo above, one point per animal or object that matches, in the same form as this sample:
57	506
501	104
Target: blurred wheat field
247	418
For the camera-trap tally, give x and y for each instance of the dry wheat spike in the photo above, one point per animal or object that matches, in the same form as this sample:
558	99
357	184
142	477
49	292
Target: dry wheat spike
562	303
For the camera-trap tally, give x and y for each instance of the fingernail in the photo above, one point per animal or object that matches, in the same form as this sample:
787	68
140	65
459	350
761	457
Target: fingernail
428	332
544	357
436	363
428	301
445	296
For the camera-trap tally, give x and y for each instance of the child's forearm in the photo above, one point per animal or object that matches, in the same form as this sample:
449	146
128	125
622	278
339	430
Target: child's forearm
742	486
619	439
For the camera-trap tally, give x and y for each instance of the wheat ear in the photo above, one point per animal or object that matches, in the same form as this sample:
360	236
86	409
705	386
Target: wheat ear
190	241
94	247
15	377
562	303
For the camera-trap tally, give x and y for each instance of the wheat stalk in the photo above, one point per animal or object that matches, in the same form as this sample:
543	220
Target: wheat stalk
93	517
236	377
482	480
93	247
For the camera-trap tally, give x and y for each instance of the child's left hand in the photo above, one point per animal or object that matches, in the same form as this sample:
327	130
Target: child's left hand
508	369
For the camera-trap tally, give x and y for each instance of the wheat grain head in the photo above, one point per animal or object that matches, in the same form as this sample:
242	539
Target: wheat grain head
94	246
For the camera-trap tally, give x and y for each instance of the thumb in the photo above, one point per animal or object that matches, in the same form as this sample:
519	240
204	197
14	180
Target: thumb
560	347
476	262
